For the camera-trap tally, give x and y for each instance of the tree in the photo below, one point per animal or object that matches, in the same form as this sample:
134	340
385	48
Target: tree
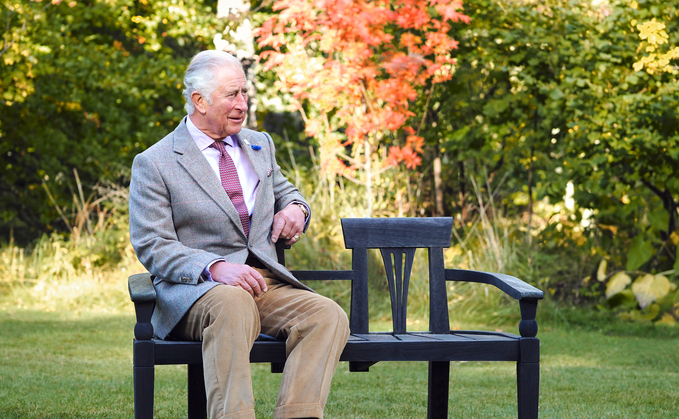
18	50
103	82
544	94
353	68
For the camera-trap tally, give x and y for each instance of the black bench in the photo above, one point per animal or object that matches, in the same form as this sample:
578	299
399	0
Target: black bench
397	240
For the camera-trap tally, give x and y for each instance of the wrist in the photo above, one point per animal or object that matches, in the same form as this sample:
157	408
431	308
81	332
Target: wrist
215	266
304	210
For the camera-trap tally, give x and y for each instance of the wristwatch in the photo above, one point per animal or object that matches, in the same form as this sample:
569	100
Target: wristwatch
304	210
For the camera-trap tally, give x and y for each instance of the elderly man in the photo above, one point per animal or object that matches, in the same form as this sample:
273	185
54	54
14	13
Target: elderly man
207	204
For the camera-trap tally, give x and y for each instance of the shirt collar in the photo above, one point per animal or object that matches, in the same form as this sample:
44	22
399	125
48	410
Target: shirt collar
201	139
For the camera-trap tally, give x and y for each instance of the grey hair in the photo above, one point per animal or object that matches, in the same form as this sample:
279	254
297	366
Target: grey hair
200	75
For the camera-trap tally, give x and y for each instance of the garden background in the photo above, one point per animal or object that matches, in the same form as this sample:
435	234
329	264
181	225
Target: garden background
548	129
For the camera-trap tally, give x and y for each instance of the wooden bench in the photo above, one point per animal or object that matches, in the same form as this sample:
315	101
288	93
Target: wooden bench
397	239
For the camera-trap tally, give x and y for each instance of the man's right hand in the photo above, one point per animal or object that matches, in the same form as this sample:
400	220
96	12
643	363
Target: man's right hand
239	276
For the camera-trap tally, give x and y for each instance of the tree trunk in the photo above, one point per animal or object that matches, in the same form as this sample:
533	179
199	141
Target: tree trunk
438	186
368	179
530	195
670	206
462	195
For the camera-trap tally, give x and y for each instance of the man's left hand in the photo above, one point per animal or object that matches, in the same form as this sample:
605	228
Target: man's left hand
288	224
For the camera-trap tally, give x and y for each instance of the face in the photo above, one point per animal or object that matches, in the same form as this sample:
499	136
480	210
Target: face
229	106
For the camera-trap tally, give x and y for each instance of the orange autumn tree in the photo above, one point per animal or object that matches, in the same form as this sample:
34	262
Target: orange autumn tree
353	67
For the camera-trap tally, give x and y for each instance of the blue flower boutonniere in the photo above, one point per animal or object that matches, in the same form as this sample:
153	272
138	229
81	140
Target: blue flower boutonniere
256	147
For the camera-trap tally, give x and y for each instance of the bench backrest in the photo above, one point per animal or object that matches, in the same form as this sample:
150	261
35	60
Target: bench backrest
397	239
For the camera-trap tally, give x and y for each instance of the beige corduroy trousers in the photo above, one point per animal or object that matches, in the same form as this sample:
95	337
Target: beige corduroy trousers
228	320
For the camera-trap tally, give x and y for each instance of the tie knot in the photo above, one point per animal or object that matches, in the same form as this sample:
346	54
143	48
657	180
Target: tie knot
219	145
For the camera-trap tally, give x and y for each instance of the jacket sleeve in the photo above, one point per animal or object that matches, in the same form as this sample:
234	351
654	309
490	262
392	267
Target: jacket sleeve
152	231
285	192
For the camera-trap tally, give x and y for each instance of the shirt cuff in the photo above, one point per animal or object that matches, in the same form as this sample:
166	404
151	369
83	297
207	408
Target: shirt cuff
207	276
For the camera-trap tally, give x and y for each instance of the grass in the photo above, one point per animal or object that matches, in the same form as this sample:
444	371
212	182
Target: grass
65	365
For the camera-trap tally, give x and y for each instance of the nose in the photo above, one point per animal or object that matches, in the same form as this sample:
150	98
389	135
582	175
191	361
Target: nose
242	102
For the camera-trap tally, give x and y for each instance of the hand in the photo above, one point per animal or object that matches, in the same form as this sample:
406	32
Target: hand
237	275
288	224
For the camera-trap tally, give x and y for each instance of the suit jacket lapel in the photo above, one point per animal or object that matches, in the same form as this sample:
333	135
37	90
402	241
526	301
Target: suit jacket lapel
254	156
192	160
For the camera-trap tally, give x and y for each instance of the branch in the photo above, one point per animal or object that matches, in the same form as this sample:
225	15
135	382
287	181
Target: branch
347	158
6	46
382	170
500	162
426	107
654	188
367	99
264	4
327	122
353	179
304	117
56	206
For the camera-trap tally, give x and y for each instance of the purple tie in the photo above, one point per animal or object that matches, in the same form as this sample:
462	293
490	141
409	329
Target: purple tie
231	184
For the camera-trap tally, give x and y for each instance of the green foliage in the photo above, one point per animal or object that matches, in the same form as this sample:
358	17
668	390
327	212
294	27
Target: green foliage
18	51
545	94
639	252
646	298
103	83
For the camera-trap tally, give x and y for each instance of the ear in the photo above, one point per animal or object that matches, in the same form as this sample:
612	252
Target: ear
199	102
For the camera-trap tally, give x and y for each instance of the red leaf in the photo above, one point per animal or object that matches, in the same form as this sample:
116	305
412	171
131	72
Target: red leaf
449	12
415	142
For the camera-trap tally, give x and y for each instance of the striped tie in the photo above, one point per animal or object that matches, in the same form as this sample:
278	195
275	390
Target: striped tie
231	184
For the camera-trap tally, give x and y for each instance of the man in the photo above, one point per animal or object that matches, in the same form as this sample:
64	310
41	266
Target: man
207	205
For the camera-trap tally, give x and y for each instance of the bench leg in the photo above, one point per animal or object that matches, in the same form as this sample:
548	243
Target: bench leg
528	386
277	367
196	390
528	377
439	377
143	392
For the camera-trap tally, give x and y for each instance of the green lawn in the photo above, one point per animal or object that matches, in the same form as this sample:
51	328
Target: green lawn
60	365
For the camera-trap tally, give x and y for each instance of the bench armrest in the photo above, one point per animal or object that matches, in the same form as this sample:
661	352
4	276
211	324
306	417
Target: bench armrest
141	288
143	294
514	287
323	275
527	294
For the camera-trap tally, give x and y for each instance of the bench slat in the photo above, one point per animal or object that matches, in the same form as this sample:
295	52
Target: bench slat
369	351
397	232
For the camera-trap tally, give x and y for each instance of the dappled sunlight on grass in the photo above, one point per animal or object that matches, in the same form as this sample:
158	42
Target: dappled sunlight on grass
570	361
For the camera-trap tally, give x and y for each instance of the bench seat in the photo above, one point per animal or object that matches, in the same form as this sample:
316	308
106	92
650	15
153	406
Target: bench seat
461	345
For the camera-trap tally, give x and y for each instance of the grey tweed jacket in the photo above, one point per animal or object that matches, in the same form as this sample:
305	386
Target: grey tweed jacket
181	219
